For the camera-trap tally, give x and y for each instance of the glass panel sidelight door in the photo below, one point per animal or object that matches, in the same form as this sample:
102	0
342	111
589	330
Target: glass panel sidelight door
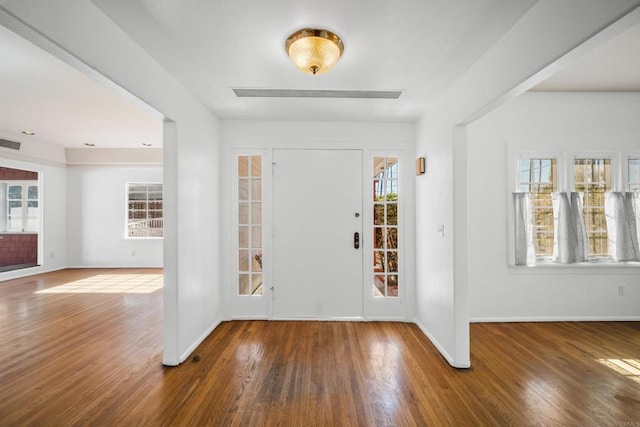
249	220
385	227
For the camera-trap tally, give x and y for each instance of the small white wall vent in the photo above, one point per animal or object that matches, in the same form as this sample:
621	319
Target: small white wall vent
9	144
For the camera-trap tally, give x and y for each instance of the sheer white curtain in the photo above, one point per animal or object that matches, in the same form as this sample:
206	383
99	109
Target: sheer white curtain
622	210
570	237
525	253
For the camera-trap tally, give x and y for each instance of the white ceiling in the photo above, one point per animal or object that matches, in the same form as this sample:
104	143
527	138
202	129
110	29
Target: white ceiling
612	66
415	46
41	94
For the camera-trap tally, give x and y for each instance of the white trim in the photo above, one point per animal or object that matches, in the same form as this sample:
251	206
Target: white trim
184	356
441	349
318	319
554	319
112	266
26	272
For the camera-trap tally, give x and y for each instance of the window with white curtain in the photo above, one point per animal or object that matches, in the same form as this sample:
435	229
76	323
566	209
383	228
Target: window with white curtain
538	178
572	208
592	179
633	174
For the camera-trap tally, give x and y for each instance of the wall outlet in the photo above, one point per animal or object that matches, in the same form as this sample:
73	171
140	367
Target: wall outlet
440	230
52	255
133	252
622	290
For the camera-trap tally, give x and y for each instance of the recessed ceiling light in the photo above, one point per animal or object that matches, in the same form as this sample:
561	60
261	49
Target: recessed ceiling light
146	144
89	144
28	132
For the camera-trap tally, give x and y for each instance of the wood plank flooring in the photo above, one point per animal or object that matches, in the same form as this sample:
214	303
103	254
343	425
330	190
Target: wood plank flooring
94	358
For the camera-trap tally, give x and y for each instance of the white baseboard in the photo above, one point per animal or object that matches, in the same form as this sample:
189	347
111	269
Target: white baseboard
193	346
440	348
555	319
26	272
104	267
322	319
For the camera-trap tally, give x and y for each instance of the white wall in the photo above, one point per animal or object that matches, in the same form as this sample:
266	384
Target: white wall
499	292
267	135
97	218
81	35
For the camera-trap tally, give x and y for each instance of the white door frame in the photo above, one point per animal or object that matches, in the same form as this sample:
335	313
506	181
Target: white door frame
373	308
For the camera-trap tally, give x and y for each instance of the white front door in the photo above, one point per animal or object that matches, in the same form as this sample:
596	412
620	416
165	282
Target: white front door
317	213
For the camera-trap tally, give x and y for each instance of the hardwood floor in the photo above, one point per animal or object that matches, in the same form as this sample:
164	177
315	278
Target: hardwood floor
86	356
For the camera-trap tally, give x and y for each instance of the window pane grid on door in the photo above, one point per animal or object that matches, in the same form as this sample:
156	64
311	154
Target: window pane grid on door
592	177
249	222
385	227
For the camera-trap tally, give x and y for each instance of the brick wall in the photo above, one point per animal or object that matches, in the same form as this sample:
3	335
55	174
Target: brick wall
8	174
18	249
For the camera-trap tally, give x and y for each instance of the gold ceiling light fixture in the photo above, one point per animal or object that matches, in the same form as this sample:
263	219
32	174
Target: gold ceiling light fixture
314	51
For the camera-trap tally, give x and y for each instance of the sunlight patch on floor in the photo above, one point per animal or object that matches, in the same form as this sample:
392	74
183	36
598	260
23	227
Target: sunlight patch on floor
630	368
110	284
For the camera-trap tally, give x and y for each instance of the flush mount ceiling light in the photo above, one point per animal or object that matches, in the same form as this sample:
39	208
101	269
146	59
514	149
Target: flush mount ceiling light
314	51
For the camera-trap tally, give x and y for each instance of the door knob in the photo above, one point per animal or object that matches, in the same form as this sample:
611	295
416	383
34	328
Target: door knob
356	240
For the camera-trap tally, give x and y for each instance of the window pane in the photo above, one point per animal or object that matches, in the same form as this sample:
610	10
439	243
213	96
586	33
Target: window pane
378	167
379	285
243	213
243	189
378	238
379	261
537	176
634	174
378	214
378	191
392	285
155	195
256	237
392	238
256	213
392	262
392	167
256	189
15	192
392	190
243	166
243	237
256	166
596	180
392	214
256	284
144	210
32	192
256	261
243	260
243	284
